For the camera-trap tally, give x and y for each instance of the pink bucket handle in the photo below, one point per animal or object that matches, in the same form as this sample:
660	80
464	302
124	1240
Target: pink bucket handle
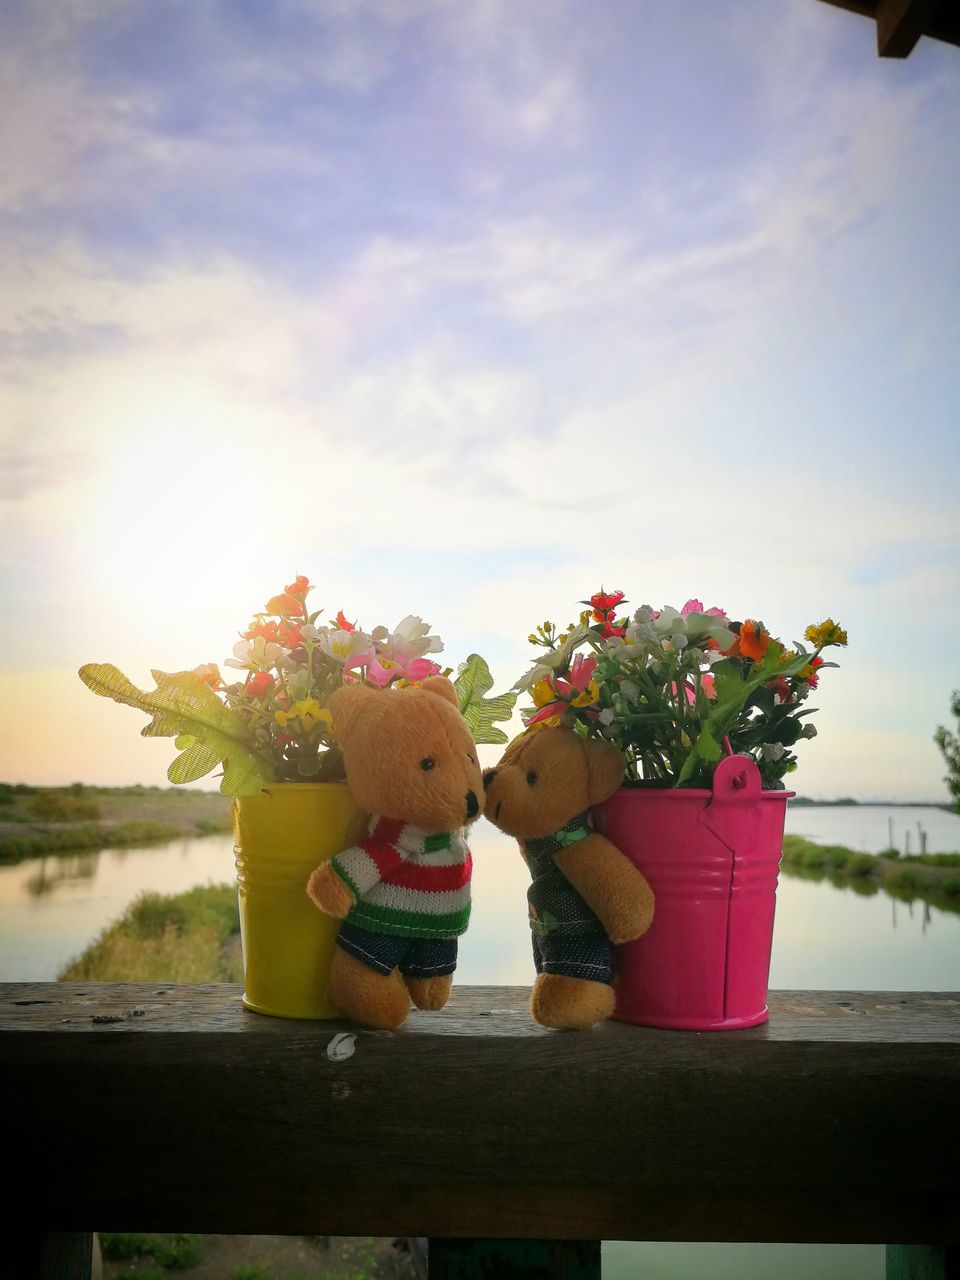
736	780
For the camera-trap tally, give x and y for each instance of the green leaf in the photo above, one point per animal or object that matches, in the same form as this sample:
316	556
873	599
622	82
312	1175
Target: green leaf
183	707
472	683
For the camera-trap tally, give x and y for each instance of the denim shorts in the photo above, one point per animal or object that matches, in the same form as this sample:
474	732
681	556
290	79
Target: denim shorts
587	956
415	957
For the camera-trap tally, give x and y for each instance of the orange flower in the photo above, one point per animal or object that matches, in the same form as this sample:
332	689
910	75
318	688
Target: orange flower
289	636
299	587
753	640
286	604
266	629
343	624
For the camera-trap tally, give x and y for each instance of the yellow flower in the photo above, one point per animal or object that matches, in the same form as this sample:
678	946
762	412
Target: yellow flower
281	717
543	693
589	696
551	722
828	632
310	713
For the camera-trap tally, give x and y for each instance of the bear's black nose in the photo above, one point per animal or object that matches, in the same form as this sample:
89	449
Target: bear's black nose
473	806
488	777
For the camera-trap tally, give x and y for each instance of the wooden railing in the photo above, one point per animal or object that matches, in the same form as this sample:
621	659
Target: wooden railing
172	1108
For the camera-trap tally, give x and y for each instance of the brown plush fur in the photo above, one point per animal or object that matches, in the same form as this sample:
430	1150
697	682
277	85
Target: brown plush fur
544	778
384	735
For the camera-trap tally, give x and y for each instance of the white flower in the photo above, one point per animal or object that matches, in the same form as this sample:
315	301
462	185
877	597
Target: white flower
341	646
630	690
607	716
257	654
553	659
808	731
411	639
772	750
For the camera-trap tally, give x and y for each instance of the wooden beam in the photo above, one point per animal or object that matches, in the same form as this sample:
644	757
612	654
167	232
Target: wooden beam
155	1108
901	23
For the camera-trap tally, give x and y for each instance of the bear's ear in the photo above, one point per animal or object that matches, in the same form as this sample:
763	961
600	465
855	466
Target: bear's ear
604	769
441	685
346	704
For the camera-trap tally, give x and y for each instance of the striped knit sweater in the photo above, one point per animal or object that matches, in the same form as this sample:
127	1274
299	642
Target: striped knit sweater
407	881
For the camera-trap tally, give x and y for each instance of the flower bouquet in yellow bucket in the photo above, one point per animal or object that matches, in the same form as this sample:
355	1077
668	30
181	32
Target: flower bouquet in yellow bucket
271	732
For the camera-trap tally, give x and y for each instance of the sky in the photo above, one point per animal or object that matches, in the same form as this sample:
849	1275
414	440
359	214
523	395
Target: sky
464	310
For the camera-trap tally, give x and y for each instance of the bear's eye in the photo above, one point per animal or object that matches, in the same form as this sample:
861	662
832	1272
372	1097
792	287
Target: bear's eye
531	777
470	758
427	763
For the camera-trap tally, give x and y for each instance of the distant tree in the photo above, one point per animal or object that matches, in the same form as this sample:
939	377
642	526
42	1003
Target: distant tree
949	744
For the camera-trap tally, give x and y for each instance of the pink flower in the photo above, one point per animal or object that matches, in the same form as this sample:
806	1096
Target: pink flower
687	689
706	683
420	668
551	709
383	673
692	606
581	671
715	613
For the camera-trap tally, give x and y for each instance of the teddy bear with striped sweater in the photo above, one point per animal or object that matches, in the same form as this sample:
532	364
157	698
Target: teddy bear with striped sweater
403	892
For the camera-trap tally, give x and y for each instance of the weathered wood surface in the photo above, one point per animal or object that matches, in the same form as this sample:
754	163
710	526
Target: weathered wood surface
175	1109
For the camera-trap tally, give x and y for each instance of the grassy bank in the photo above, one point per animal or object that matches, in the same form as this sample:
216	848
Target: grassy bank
933	877
185	937
35	820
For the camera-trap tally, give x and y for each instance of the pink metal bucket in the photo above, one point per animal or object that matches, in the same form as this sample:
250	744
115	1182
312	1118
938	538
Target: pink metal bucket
712	859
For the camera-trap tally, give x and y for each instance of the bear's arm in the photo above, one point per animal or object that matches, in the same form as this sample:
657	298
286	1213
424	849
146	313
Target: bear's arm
364	865
615	891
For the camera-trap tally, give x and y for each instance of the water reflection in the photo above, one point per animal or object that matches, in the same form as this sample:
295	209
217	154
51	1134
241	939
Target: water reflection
56	870
833	935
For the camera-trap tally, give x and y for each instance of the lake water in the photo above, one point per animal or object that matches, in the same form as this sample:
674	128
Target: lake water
828	938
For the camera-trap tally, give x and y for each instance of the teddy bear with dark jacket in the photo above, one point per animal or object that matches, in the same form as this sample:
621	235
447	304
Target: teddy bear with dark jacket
585	894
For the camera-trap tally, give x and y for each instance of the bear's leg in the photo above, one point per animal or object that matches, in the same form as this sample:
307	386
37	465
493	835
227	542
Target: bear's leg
373	999
569	1004
429	993
427	970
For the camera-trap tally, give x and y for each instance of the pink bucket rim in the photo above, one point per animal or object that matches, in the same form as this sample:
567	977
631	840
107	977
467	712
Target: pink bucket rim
690	793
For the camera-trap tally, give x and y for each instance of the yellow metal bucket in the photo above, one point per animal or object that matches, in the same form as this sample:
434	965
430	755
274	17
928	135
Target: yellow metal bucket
280	835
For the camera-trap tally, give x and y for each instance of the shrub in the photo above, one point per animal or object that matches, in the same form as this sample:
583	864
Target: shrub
212	826
169	1252
903	879
889	853
63	806
859	864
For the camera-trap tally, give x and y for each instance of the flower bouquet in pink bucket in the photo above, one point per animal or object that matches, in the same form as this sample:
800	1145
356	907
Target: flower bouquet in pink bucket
707	711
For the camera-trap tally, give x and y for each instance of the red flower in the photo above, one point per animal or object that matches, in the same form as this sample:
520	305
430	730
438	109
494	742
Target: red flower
605	602
299	587
343	624
781	688
258	683
813	678
609	629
